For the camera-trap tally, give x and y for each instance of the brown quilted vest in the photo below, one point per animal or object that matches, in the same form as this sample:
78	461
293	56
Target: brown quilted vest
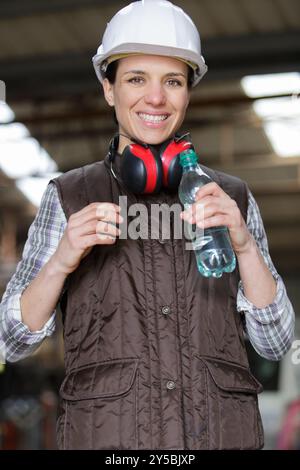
154	352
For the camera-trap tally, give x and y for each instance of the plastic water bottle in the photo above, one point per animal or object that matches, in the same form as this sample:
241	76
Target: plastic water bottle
212	246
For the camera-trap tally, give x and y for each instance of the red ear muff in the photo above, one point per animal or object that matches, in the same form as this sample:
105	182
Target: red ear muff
147	168
141	169
172	170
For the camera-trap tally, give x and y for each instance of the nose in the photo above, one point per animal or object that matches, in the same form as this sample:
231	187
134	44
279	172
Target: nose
155	94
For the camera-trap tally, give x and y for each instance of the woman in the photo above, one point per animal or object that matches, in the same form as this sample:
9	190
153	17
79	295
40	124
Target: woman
154	353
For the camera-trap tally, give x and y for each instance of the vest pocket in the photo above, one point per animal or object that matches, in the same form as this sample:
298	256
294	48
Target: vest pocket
99	404
233	416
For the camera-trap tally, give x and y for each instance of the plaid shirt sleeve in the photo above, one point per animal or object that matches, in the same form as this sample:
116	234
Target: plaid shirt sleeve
270	329
16	340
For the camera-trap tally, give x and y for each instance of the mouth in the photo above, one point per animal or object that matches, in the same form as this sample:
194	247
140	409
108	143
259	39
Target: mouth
153	118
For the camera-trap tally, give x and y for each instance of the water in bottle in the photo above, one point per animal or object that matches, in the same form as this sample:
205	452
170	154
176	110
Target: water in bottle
212	246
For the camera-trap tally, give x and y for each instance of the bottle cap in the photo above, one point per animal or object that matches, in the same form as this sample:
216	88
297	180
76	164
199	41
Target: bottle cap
188	157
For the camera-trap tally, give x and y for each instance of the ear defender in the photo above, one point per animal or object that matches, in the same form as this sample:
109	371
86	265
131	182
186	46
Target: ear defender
141	169
169	155
147	168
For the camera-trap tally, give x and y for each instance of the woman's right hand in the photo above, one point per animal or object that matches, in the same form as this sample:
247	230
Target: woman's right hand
93	225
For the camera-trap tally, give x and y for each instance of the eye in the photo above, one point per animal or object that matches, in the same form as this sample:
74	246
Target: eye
174	83
136	80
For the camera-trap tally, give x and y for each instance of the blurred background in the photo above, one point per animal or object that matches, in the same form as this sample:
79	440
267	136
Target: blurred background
244	119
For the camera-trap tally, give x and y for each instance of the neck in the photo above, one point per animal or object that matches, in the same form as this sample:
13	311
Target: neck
123	141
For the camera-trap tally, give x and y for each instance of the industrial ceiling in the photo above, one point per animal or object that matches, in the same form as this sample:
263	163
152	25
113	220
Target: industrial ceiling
45	62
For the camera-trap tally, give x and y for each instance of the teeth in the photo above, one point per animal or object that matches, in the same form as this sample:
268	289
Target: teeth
151	118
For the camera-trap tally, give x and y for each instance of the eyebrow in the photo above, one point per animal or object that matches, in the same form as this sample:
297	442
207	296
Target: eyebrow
170	74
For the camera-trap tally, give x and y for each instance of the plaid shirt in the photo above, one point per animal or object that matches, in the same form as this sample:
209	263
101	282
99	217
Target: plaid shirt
269	329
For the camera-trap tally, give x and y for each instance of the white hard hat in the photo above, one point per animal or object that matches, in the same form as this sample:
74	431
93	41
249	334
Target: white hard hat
151	27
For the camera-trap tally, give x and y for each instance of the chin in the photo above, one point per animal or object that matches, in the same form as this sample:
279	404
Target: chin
156	139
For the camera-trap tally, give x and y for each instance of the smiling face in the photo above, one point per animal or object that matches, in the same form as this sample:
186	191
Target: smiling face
150	96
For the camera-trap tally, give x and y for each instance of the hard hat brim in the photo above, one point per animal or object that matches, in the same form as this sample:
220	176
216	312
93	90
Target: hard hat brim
152	49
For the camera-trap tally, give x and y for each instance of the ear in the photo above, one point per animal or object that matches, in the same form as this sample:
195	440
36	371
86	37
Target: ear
108	92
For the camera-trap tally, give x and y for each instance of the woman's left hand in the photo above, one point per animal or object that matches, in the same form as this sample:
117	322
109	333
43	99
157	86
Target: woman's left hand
213	208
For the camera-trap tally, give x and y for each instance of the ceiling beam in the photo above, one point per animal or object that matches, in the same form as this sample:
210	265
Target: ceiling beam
65	75
20	8
236	56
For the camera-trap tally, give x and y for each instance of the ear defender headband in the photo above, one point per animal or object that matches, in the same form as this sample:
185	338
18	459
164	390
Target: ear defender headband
148	168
